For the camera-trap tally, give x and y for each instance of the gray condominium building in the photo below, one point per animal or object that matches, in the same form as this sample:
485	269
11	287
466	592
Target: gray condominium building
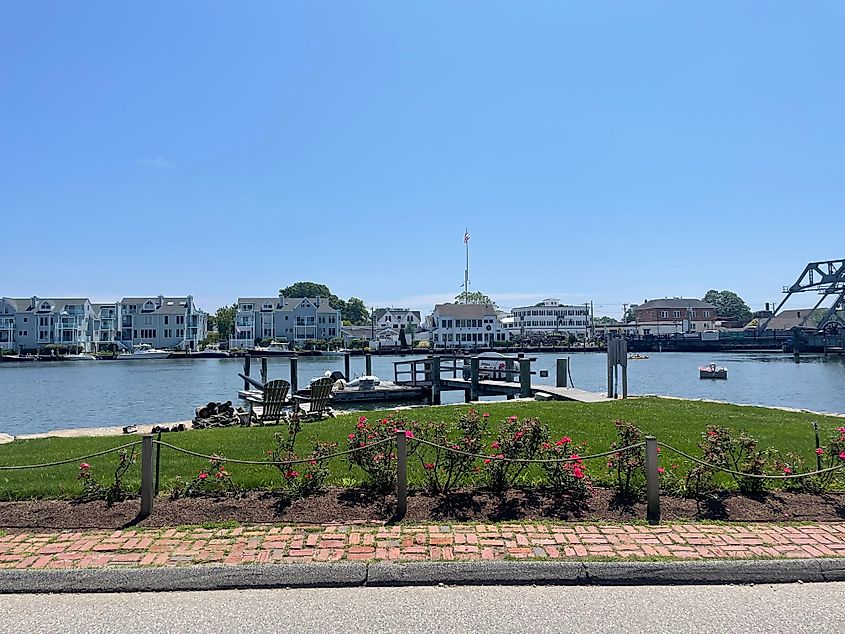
292	319
162	322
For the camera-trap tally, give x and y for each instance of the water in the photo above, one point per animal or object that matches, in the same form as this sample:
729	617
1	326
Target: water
37	397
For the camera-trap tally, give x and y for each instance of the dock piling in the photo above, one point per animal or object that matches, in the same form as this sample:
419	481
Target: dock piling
247	361
294	375
346	368
264	370
473	379
368	364
524	378
562	368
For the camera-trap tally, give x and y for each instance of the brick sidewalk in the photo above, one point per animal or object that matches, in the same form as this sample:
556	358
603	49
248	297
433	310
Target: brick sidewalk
271	544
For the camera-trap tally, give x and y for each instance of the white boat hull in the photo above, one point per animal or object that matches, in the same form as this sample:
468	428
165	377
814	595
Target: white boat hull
142	355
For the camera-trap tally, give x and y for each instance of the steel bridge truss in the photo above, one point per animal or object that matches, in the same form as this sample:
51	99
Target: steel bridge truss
827	278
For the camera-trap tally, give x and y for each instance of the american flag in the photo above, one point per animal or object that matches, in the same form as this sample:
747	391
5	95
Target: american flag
466	237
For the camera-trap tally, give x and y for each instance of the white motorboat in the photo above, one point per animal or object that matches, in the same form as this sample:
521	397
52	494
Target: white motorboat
143	351
712	372
275	349
81	356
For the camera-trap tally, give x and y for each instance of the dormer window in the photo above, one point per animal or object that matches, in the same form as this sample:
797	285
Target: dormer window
148	306
267	306
44	306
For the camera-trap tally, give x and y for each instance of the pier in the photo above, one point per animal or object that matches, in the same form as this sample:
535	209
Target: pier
481	375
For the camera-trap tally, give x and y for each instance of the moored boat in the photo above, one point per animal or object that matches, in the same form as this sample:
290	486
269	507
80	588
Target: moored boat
275	349
81	356
143	351
712	372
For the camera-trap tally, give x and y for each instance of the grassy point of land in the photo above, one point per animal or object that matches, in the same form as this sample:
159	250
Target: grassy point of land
678	423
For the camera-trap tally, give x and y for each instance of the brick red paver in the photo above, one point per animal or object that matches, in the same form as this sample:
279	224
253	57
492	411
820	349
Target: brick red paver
273	544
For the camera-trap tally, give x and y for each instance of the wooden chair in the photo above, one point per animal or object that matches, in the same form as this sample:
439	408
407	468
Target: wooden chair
273	403
318	402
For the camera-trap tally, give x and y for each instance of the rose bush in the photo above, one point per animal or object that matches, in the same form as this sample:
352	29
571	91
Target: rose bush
444	469
627	465
114	492
568	479
378	461
516	439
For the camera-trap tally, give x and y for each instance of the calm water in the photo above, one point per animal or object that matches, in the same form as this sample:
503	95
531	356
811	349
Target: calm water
44	396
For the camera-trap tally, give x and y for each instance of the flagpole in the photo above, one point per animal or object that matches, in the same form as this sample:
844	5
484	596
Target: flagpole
466	271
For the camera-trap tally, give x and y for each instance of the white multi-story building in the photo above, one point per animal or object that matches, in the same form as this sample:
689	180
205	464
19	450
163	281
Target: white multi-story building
396	317
466	325
549	316
45	321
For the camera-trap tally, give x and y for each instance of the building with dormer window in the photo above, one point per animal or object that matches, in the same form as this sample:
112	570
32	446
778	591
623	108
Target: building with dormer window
162	322
292	319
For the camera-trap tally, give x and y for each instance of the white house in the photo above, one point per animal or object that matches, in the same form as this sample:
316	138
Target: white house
466	325
395	317
549	316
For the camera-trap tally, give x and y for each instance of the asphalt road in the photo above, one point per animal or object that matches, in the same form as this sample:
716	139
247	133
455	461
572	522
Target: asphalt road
814	608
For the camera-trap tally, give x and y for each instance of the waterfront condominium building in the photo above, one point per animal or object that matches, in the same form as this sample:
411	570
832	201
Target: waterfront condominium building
36	322
465	325
549	316
292	319
395	317
162	322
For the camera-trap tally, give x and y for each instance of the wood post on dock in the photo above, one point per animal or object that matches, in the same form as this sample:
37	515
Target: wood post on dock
264	370
346	367
435	380
524	377
368	364
562	368
247	361
473	379
294	375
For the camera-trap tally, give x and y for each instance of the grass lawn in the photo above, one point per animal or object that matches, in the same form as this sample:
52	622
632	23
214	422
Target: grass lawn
677	423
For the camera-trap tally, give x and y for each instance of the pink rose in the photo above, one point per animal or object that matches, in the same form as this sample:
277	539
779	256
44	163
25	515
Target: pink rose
85	465
429	465
819	451
202	476
409	434
363	419
660	470
577	473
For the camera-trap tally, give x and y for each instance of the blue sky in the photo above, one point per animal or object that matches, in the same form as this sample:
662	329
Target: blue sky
605	151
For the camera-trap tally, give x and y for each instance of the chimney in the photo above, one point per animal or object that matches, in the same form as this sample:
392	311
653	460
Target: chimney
318	301
767	306
33	302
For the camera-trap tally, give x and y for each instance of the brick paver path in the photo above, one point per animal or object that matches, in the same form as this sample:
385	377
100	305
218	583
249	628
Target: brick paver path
269	544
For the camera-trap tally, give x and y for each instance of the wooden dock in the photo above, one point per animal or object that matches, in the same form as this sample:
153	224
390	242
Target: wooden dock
476	381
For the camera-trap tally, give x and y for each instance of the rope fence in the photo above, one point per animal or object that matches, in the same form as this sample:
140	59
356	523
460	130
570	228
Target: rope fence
148	442
69	460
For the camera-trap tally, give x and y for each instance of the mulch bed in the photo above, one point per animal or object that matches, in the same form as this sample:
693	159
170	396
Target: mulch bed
356	505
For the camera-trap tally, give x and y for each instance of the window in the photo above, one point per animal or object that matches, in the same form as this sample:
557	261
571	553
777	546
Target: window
180	319
692	313
676	314
707	313
166	319
664	314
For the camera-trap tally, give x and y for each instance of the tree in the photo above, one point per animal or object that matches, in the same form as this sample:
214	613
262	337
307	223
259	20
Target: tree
630	315
606	321
355	312
223	321
475	297
403	341
312	289
728	304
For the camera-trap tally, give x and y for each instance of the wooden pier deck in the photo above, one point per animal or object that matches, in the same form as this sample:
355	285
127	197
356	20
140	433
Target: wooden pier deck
508	388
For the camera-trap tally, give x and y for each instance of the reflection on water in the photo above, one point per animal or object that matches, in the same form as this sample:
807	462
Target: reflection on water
43	396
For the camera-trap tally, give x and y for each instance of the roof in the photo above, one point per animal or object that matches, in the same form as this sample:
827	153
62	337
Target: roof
676	302
24	305
364	332
169	306
380	312
257	300
465	311
788	319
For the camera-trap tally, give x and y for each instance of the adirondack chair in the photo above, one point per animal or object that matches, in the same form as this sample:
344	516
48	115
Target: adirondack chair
274	402
318	403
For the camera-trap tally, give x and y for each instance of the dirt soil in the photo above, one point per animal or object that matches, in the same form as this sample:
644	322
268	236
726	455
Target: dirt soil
355	505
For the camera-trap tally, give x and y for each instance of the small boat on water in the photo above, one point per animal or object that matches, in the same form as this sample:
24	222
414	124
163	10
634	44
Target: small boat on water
275	349
80	356
208	353
637	357
143	351
712	372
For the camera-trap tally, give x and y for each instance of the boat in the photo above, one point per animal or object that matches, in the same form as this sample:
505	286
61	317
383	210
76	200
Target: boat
275	349
712	372
14	358
80	356
208	353
637	357
143	351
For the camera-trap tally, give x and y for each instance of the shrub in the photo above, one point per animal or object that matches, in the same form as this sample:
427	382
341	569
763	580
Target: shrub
517	439
827	457
739	453
628	465
569	479
378	461
116	491
211	480
302	478
444	469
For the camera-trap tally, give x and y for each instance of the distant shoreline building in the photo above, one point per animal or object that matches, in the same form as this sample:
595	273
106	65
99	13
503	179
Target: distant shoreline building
549	316
293	319
667	316
466	325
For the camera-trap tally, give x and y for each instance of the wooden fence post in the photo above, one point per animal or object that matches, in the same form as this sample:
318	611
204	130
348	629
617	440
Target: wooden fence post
652	480
525	378
401	474
147	483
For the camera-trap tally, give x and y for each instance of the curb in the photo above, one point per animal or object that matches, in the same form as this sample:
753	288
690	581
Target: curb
352	574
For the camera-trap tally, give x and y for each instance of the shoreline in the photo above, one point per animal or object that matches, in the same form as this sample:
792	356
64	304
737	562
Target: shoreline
146	428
